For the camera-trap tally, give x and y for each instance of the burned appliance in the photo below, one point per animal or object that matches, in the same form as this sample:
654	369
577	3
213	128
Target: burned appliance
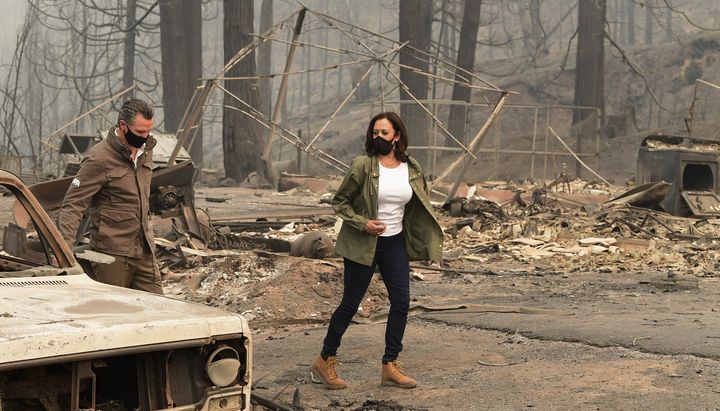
691	165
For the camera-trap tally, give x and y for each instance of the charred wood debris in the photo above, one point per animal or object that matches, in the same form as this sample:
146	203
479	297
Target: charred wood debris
490	228
668	223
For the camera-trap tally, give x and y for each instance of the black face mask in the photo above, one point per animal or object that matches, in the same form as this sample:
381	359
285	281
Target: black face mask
383	146
134	139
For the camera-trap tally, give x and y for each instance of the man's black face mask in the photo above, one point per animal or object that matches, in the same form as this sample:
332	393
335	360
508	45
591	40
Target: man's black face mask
134	139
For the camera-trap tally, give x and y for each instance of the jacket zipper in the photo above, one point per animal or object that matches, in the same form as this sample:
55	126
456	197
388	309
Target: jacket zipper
374	196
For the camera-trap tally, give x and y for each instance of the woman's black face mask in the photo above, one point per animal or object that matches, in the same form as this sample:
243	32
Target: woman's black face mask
383	146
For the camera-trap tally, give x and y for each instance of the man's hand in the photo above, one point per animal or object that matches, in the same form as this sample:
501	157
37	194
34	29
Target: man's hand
375	227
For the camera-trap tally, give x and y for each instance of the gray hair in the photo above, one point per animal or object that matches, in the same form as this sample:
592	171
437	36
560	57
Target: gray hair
130	108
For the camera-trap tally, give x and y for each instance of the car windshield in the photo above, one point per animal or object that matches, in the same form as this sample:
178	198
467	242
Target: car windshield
24	248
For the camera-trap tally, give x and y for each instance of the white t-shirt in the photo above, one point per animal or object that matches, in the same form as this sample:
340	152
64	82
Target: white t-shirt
394	192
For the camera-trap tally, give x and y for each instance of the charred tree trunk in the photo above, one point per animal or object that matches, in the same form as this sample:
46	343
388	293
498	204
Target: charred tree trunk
589	70
612	10
466	61
648	23
181	50
264	60
537	30
631	23
452	50
242	139
415	27
443	36
129	52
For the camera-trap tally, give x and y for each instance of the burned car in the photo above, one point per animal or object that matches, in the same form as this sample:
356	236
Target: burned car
69	343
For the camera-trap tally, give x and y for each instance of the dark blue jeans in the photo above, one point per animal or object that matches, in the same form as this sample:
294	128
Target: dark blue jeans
391	257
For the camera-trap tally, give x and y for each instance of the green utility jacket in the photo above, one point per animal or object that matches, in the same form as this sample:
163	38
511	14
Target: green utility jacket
356	202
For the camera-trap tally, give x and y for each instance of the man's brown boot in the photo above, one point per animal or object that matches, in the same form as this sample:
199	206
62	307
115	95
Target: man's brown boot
392	374
325	370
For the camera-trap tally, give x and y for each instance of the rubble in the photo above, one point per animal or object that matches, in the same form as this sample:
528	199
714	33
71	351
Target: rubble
272	288
558	229
266	269
571	238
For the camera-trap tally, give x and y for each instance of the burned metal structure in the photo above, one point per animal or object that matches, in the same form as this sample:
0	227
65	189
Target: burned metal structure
691	165
368	51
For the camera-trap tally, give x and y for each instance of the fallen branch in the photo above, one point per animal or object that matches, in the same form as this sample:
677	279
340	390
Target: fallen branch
666	226
269	404
453	270
491	364
639	338
634	227
465	308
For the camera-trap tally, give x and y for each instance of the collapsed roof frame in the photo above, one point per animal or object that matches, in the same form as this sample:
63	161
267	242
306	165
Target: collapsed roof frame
46	142
384	59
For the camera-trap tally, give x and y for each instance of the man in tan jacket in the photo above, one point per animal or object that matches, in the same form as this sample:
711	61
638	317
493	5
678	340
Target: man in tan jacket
114	184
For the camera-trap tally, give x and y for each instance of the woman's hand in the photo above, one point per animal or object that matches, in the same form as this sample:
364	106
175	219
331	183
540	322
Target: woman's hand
375	227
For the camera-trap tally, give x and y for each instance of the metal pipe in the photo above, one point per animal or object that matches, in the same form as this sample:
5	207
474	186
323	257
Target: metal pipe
282	92
342	104
475	143
347	98
534	138
188	122
578	158
92	110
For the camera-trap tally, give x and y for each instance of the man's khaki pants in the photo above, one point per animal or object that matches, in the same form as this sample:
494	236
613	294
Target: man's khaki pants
136	273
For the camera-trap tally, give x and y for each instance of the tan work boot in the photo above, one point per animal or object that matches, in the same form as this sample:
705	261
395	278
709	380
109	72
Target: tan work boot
392	375
325	370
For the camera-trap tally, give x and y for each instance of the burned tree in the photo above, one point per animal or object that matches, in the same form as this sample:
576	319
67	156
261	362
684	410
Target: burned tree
648	23
589	68
181	47
466	62
538	33
415	28
264	58
534	38
129	50
630	23
242	138
78	53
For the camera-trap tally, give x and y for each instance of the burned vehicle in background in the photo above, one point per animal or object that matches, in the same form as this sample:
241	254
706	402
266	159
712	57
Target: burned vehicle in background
68	342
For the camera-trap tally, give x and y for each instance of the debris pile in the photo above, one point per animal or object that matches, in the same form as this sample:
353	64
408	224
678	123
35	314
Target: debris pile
269	288
610	239
281	269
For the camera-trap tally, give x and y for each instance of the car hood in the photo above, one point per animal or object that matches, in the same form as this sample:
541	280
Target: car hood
68	316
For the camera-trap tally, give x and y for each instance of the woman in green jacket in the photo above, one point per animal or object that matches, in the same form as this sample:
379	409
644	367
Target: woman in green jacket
387	222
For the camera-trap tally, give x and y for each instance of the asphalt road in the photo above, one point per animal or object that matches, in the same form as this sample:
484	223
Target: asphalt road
649	313
580	341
